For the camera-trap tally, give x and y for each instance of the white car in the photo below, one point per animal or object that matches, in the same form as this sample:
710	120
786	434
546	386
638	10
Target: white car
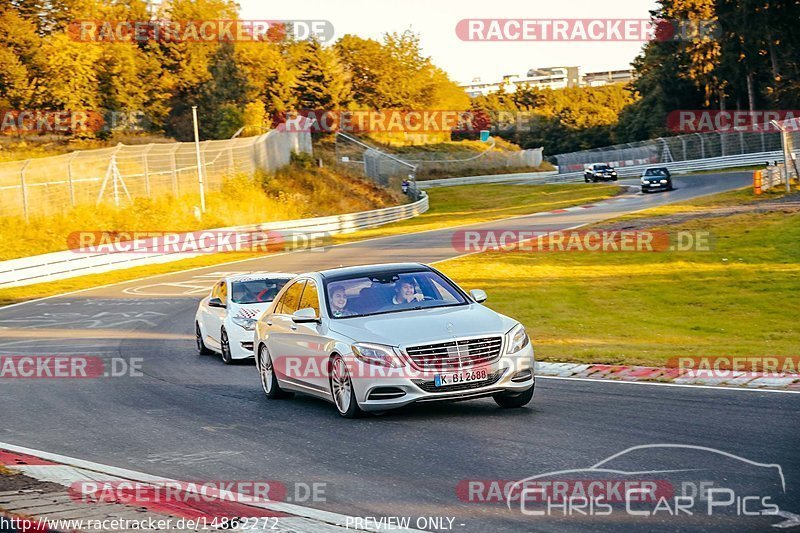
226	318
377	337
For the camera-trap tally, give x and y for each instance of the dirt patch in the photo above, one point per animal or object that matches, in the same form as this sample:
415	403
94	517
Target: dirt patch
10	480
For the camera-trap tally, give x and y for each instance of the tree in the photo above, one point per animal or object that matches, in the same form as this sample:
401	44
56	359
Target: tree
322	82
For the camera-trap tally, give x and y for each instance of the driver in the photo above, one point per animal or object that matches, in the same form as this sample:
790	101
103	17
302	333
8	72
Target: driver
339	301
406	293
239	292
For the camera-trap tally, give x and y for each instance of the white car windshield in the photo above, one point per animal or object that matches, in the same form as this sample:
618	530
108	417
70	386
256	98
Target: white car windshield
390	292
255	291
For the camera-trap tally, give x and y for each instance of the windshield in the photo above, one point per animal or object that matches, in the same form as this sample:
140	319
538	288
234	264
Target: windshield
255	291
602	167
654	172
390	292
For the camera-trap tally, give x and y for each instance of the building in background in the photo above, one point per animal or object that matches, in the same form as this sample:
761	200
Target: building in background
548	78
607	77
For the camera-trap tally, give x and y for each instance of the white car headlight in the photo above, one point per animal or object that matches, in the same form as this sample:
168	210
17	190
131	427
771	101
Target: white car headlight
663	181
516	339
248	324
376	354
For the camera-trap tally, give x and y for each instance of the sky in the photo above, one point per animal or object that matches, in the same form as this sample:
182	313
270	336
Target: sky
435	21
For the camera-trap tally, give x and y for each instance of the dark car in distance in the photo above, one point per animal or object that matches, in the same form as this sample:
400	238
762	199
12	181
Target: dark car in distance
599	172
656	179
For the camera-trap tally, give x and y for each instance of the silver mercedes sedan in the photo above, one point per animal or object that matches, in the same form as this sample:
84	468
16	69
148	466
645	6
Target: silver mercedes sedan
378	337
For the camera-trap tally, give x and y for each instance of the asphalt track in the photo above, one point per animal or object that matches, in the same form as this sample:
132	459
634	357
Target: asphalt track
190	417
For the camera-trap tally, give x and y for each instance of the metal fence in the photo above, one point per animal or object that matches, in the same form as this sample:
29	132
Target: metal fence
389	170
52	185
434	166
689	147
790	134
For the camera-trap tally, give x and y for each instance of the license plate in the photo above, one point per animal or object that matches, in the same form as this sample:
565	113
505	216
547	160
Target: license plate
655	185
455	378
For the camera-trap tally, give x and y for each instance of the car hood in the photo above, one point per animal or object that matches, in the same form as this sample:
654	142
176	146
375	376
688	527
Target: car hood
424	325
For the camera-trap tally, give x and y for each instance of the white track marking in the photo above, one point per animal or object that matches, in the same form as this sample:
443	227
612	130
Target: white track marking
620	382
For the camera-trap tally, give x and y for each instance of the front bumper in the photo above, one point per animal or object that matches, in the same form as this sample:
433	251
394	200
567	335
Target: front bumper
241	342
510	373
655	187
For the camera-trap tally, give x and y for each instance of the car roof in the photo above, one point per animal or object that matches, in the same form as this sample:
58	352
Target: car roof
247	276
369	270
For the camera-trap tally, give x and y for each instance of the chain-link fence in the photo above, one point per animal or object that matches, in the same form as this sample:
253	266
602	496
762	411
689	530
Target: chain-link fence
52	185
687	147
790	135
390	170
384	169
430	166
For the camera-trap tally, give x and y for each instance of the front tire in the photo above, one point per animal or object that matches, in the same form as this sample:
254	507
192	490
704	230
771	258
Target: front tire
508	400
225	347
202	349
269	380
344	397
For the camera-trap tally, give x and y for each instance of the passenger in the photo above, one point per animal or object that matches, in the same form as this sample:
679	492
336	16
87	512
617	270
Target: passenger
405	293
339	301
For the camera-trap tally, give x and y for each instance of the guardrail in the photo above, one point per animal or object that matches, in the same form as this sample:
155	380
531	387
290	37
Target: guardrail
497	178
699	165
70	263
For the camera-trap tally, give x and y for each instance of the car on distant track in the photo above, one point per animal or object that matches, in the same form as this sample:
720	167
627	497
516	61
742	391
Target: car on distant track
599	172
226	318
656	179
378	337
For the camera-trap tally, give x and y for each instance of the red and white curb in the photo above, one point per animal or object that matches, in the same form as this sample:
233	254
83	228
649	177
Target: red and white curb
784	382
71	472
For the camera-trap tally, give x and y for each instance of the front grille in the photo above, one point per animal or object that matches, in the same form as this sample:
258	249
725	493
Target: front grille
430	386
456	354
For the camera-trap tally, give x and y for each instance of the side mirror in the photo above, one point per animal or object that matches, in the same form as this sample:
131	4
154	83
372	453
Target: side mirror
215	302
478	295
305	315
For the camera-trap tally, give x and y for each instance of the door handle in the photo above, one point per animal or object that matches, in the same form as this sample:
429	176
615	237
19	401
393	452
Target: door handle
294	327
269	323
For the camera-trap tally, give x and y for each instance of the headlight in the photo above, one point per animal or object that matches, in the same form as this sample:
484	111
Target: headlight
248	324
376	354
516	339
663	181
614	173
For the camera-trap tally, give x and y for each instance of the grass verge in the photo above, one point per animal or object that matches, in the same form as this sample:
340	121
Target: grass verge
740	298
450	206
472	204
